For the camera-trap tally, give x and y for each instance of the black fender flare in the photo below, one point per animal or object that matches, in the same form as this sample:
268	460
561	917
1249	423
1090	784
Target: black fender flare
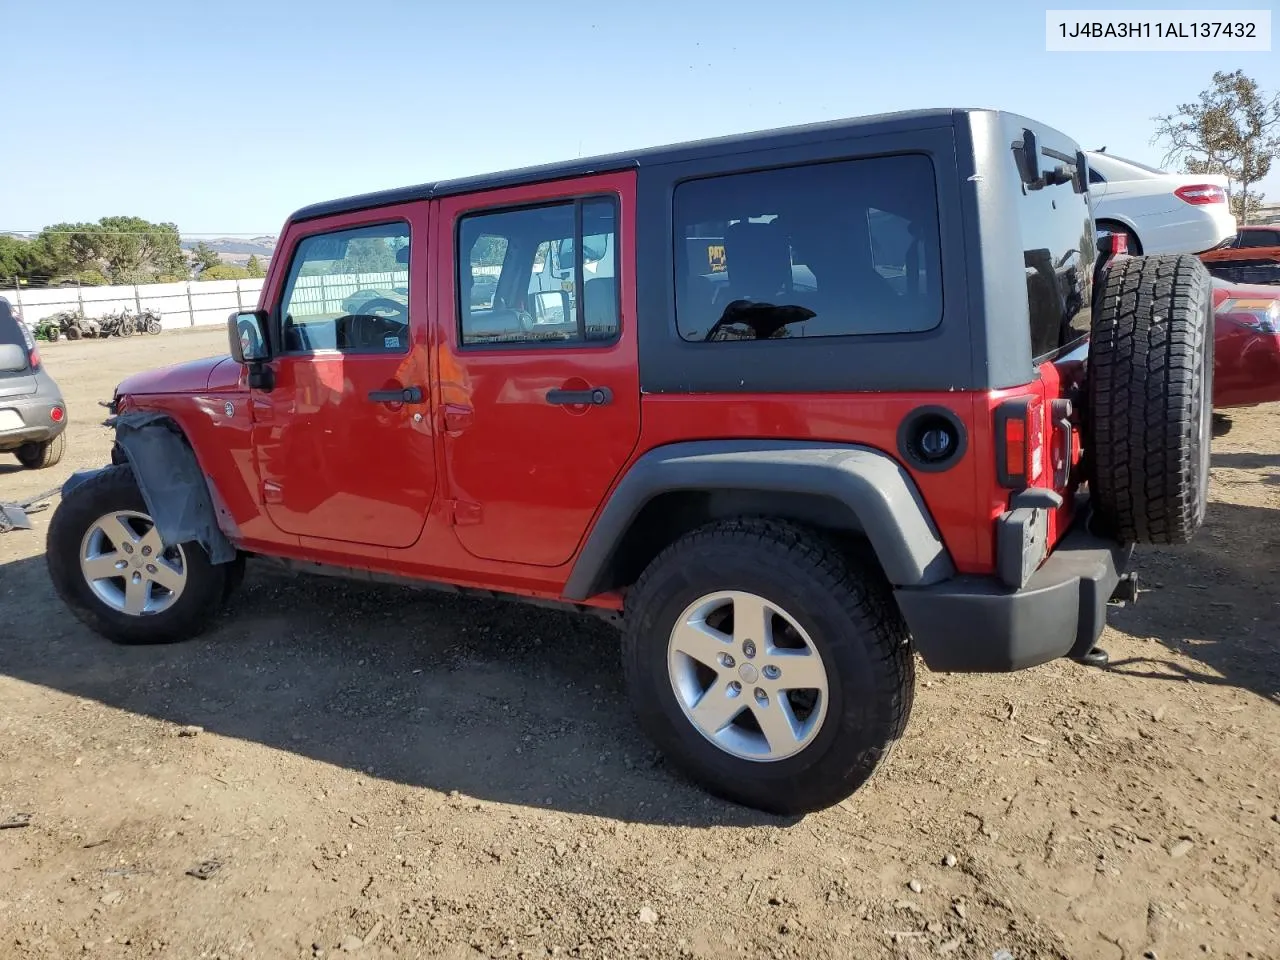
872	485
178	494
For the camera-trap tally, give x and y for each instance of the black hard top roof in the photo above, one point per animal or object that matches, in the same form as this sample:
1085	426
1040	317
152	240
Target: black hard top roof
763	139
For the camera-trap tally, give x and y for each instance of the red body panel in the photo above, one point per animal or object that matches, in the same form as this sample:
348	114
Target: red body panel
485	484
1246	368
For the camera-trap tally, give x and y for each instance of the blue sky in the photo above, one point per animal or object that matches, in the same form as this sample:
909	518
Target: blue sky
225	117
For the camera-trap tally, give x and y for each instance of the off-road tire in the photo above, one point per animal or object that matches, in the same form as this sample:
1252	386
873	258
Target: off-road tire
844	603
74	332
37	456
115	489
1150	400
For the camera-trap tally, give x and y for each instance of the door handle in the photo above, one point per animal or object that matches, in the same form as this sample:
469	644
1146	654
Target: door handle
596	396
404	395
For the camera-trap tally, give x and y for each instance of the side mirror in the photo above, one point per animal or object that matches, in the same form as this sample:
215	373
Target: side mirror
552	306
248	336
13	359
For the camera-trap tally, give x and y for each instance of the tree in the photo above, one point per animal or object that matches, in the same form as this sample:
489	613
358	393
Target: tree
132	247
204	256
65	249
1246	204
254	266
224	271
1233	130
16	257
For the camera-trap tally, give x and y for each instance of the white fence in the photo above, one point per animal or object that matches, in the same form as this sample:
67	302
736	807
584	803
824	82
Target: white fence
185	304
198	303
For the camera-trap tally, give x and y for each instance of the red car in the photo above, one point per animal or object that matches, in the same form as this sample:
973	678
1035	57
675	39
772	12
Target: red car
1251	256
1246	368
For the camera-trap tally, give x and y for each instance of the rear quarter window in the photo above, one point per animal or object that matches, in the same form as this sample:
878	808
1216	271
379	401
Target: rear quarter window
830	249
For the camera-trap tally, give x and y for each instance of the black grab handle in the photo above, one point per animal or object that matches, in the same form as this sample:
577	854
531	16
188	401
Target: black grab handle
406	395
596	396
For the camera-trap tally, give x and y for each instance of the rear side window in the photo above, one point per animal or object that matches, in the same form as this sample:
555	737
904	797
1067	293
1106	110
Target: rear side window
539	276
821	250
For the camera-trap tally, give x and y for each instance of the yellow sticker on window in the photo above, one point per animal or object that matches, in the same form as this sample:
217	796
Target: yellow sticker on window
715	257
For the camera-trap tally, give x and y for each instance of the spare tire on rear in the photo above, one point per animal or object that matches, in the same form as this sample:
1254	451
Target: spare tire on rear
1150	400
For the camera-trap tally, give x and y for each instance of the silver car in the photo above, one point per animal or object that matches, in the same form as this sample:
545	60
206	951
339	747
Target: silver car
33	416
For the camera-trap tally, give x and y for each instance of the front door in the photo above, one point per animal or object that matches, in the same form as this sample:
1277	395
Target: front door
539	391
343	439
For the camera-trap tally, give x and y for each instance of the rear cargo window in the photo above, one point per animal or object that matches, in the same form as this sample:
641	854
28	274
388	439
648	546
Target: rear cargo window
12	332
820	250
1059	247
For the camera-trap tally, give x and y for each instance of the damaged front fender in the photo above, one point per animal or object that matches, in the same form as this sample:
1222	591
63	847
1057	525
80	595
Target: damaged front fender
173	486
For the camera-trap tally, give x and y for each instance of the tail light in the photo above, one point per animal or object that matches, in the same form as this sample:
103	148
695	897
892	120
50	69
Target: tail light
33	355
1019	433
57	414
1201	193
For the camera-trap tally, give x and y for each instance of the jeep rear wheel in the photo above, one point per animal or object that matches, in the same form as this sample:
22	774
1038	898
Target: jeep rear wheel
1150	400
767	664
109	566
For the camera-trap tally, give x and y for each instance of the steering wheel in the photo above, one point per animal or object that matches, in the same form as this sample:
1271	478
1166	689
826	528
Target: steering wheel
371	327
380	306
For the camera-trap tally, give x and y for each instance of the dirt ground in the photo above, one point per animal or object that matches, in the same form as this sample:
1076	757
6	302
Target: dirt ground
388	773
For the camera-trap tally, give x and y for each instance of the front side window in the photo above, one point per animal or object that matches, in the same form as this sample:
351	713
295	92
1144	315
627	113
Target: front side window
348	290
519	274
822	250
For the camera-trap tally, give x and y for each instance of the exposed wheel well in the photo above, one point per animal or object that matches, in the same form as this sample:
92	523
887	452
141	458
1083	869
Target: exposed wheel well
671	515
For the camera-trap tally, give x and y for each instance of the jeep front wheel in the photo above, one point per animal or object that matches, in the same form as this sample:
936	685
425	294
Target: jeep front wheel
768	664
109	566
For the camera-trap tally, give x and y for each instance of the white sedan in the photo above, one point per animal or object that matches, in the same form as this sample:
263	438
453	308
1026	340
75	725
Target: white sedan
1158	212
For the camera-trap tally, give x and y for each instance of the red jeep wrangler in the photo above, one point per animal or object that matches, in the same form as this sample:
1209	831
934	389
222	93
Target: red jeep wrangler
789	407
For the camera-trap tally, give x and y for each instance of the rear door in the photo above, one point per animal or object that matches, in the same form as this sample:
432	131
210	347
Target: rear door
1059	251
539	389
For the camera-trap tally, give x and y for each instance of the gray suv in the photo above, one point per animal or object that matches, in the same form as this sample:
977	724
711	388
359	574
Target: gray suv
33	417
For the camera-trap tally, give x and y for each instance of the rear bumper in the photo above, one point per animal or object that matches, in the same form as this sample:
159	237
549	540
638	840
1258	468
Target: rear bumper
37	422
976	624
